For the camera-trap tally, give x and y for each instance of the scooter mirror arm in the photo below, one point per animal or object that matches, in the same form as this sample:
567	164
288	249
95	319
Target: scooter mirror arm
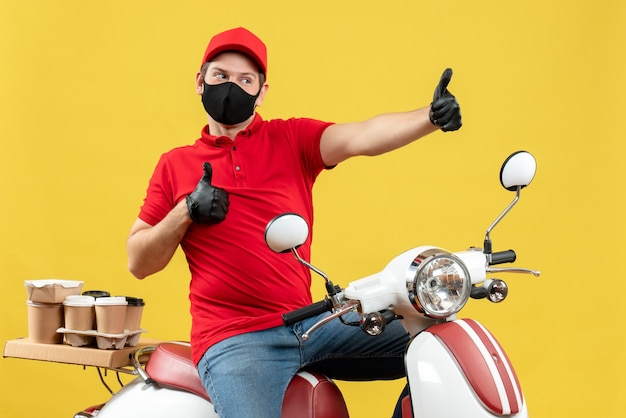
487	243
309	265
349	306
507	210
331	289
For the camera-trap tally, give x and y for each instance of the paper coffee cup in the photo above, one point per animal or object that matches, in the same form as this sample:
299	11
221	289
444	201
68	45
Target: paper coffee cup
43	321
79	313
134	311
110	314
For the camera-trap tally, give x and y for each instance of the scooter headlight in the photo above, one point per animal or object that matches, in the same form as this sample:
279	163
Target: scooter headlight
439	284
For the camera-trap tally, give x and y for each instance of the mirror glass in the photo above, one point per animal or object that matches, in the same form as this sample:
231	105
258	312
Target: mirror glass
285	232
518	170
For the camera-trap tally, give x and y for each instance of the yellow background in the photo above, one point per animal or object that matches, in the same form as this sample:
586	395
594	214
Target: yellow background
93	92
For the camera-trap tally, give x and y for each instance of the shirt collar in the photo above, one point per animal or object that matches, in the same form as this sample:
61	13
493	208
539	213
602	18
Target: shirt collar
209	139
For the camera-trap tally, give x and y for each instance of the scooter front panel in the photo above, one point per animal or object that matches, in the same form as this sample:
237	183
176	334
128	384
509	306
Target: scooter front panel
484	362
461	363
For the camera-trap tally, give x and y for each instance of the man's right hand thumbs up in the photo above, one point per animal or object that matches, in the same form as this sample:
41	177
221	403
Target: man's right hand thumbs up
207	204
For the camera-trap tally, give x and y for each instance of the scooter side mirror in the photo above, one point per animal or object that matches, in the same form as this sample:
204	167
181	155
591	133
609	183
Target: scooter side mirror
285	232
518	170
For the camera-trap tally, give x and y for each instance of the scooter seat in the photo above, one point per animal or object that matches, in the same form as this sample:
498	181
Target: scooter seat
313	395
309	394
170	365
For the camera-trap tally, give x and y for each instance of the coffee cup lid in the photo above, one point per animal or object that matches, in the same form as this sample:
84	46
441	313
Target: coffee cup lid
133	301
78	300
97	293
111	300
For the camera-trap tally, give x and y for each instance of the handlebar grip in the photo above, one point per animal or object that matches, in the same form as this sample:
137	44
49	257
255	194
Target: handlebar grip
308	311
501	257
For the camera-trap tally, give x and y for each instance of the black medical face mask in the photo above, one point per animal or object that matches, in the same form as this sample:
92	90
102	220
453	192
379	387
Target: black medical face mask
227	103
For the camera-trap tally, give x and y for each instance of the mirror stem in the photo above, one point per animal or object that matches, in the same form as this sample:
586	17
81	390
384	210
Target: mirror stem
487	249
309	265
331	289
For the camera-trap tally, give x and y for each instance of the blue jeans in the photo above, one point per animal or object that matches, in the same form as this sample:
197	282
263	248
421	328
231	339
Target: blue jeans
246	376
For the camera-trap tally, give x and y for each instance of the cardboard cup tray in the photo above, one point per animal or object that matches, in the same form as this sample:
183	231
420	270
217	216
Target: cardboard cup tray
103	341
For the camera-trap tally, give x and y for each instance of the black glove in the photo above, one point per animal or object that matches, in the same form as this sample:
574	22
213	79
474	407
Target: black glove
207	204
445	111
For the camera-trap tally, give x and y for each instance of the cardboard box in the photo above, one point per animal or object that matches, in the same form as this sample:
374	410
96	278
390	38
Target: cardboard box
62	353
52	290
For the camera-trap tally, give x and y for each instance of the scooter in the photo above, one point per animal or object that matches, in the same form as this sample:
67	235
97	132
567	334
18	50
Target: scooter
454	367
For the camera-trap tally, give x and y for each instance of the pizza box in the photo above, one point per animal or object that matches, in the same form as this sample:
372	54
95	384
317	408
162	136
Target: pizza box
63	353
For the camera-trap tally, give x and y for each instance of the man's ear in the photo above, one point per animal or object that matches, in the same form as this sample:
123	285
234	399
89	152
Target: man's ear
199	83
259	100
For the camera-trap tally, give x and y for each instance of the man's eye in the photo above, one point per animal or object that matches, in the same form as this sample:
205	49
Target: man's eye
246	81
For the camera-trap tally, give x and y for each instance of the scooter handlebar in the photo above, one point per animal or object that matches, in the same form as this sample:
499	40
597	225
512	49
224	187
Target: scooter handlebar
501	257
308	311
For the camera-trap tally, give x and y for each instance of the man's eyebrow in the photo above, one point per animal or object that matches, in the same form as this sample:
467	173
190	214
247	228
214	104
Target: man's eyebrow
221	70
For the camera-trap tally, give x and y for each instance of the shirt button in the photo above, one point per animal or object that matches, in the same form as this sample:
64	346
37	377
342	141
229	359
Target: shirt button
237	168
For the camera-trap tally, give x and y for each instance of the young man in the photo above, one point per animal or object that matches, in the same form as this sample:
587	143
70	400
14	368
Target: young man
214	199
